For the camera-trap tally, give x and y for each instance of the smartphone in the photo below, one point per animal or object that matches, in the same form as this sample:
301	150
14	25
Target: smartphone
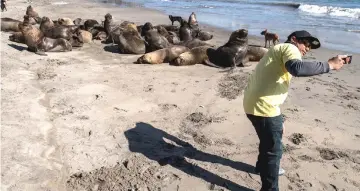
348	59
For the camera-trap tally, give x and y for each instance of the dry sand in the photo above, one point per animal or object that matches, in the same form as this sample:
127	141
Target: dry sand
91	120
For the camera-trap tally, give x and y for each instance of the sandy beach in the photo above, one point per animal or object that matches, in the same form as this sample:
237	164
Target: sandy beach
90	119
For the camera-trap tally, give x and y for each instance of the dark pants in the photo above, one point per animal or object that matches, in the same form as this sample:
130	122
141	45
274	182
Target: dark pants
269	131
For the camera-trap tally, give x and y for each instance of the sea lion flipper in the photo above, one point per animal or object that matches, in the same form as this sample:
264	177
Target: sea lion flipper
208	63
41	53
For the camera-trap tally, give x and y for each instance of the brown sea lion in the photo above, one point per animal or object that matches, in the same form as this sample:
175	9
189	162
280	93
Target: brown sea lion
173	38
86	36
130	42
194	43
56	31
194	56
254	54
233	52
9	24
204	36
162	56
17	37
154	40
171	28
31	12
199	55
37	42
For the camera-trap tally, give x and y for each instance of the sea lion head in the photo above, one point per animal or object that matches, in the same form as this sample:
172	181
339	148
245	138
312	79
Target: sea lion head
147	26
239	36
29	8
108	16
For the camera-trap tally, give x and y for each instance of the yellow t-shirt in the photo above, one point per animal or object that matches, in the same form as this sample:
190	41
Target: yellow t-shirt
268	85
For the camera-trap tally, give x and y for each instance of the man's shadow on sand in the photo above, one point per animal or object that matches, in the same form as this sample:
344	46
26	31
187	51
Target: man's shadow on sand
149	141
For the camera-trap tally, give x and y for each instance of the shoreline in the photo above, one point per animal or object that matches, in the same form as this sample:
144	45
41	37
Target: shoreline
91	119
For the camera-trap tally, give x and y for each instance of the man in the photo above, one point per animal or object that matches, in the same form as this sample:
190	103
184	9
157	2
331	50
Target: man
267	89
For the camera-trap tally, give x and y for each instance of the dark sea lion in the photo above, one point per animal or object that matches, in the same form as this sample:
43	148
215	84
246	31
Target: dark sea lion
17	37
194	56
233	52
185	32
9	24
31	12
154	40
162	56
146	27
204	36
76	39
108	21
90	23
194	43
56	31
130	42
78	21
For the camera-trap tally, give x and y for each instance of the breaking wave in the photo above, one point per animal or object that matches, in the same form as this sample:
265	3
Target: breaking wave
332	11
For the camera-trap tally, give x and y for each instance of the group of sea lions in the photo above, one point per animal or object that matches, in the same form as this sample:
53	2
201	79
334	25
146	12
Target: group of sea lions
178	45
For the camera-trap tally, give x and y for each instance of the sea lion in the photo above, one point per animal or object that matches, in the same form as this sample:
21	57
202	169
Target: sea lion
86	36
3	5
130	42
108	21
173	38
154	40
115	32
162	56
17	37
100	35
194	43
185	32
194	56
171	28
76	39
233	52
78	21
204	36
199	55
37	42
90	23
254	54
9	24
65	21
192	19
31	12
56	31
146	27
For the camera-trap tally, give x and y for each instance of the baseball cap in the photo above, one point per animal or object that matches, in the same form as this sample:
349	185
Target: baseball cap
304	35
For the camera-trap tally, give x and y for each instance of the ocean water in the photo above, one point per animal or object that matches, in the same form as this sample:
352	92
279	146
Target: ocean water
335	22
